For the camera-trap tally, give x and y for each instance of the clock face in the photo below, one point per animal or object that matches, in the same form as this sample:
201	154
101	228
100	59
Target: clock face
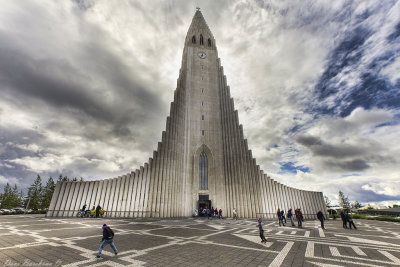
202	55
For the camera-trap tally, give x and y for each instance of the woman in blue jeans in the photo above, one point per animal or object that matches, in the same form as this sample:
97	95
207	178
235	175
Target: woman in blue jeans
108	238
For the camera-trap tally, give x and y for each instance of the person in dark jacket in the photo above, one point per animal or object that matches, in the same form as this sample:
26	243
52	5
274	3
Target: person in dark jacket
108	238
290	216
349	219
263	240
299	217
98	208
343	216
321	218
334	214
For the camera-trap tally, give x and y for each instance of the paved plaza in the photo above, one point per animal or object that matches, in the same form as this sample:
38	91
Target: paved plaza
39	241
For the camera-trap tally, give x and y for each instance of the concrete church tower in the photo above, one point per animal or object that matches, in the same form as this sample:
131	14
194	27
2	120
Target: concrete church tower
202	160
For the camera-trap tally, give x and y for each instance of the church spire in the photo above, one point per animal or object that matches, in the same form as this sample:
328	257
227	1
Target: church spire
199	33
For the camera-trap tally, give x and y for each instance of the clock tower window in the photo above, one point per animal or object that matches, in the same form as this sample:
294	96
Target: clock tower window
193	39
209	42
201	40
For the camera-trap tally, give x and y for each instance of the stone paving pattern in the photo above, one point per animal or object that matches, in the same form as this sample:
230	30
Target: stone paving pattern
38	241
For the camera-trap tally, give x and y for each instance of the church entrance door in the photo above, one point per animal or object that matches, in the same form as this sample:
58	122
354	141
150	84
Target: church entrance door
204	202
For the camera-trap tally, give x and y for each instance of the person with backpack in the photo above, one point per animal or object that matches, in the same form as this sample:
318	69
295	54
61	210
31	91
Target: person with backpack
108	239
290	216
263	240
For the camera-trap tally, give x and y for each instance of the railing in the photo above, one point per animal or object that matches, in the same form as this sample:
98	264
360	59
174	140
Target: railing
108	214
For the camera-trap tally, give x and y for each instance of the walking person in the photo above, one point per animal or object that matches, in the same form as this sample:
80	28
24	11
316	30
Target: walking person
278	213
108	239
321	218
299	217
349	219
343	216
216	212
220	214
263	240
280	219
235	217
290	216
283	216
208	213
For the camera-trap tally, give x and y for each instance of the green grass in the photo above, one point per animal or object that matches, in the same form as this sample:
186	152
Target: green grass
381	218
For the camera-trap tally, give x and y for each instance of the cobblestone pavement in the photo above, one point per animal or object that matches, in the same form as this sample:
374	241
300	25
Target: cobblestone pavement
40	241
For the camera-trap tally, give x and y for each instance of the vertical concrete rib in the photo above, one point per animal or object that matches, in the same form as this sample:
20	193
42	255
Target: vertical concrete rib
111	199
145	189
89	194
54	199
65	198
271	189
230	199
237	162
163	174
60	198
263	193
245	177
76	202
123	195
149	191
153	185
73	200
159	180
131	195
134	193
255	185
94	193
68	209
138	191
103	193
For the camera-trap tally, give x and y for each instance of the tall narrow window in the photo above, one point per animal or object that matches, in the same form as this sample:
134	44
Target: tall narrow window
202	117
202	90
203	171
202	104
209	42
193	39
202	132
201	40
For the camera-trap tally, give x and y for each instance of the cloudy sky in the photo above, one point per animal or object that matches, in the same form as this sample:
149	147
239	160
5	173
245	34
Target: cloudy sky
85	87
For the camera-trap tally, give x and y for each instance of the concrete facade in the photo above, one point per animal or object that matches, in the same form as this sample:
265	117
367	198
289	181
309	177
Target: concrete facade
202	120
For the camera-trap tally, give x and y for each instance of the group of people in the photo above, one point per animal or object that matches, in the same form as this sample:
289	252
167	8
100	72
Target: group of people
209	213
297	213
95	211
347	219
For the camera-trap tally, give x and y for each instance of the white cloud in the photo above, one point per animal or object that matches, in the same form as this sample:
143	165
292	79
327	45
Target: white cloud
115	68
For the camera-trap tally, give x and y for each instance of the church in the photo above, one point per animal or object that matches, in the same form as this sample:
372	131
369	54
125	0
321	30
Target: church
203	159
